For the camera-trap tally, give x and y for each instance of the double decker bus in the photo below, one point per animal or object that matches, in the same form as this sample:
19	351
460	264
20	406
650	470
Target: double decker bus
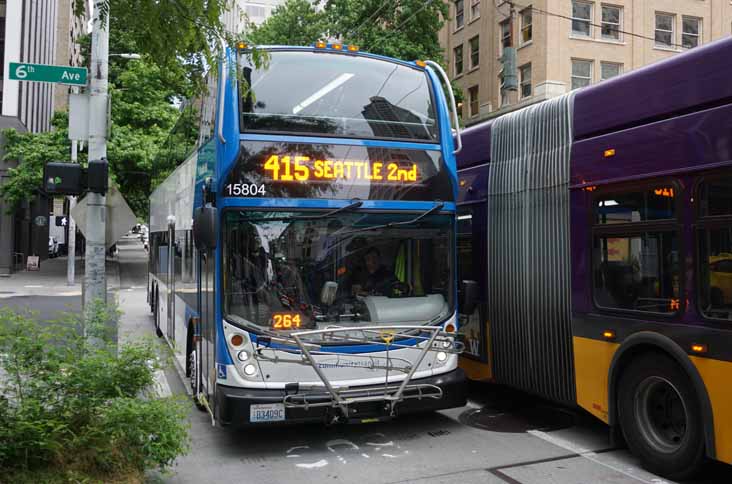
302	259
598	226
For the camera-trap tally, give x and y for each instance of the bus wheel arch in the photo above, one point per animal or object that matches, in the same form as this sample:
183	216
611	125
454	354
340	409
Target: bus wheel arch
642	346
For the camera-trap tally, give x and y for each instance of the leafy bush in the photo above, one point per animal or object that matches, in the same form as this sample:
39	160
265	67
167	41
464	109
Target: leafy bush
77	404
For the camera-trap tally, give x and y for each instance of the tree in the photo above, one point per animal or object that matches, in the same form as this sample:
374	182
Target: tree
33	151
406	29
294	23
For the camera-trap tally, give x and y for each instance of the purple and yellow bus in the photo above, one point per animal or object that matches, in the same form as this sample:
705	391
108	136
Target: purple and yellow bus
598	226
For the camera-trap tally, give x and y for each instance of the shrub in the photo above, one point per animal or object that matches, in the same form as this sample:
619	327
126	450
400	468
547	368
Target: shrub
77	405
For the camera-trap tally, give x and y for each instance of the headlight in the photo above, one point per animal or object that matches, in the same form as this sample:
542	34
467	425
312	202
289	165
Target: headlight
441	356
250	370
242	356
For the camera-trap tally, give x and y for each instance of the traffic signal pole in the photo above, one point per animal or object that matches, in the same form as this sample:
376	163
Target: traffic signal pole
94	275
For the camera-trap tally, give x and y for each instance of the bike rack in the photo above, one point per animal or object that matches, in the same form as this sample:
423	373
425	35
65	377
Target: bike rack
300	349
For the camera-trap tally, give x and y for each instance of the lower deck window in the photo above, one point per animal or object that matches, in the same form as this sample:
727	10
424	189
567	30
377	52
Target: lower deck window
637	272
715	272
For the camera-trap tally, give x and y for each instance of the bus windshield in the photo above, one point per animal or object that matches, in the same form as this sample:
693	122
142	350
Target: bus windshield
337	95
312	270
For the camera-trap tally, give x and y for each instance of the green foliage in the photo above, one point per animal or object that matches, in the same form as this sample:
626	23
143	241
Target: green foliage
75	405
33	151
405	30
294	23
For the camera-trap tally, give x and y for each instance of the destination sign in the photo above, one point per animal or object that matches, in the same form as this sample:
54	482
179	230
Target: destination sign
279	169
305	168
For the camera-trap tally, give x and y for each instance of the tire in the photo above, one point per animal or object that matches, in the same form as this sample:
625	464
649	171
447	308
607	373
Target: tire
194	375
660	416
158	332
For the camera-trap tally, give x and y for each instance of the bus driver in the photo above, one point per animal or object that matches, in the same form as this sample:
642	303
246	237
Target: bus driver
373	278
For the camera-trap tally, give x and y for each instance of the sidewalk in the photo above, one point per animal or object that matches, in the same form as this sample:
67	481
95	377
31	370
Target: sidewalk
51	279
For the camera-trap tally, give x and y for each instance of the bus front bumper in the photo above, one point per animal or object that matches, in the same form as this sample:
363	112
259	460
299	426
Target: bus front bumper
233	404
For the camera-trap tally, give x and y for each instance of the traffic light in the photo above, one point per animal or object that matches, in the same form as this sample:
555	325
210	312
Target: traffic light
71	179
63	178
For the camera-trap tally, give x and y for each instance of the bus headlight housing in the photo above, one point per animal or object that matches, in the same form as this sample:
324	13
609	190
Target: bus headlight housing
250	370
242	356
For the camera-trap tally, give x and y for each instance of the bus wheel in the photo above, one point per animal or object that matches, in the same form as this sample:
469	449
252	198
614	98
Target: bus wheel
157	316
193	368
660	416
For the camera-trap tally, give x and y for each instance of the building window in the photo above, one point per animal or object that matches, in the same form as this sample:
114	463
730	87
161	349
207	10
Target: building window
459	14
473	98
690	32
635	256
458	51
506	34
474	52
665	29
581	73
526	32
474	9
609	70
525	80
611	18
581	18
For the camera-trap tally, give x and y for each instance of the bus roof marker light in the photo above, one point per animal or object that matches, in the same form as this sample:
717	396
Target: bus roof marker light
242	45
320	45
337	46
609	153
352	48
699	348
421	63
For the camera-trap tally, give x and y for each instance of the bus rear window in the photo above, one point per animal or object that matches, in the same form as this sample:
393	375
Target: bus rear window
337	95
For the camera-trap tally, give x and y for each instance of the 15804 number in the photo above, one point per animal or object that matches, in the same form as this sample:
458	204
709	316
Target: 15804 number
244	189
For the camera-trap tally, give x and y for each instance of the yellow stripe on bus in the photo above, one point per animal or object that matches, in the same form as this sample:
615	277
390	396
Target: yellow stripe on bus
716	375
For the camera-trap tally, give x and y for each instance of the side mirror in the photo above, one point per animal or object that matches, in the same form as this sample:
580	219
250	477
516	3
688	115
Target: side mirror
468	299
205	227
328	293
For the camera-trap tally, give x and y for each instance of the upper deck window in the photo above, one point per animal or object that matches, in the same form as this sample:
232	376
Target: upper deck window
330	94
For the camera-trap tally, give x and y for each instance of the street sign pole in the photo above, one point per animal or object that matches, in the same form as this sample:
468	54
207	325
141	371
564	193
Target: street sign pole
71	260
95	275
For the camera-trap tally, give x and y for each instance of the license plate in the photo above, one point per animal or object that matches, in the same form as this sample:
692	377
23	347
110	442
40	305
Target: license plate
270	412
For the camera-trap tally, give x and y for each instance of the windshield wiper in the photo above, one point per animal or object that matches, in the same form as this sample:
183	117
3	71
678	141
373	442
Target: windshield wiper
352	206
437	207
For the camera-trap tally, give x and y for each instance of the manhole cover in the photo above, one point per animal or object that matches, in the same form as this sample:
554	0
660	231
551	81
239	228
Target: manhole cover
518	420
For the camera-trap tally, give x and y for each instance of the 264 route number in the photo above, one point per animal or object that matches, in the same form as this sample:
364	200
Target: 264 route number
244	190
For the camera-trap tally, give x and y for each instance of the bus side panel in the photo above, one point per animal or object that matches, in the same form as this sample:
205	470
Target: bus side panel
716	376
592	359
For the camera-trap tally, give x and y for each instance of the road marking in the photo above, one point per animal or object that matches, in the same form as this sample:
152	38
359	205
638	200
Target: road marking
592	456
33	286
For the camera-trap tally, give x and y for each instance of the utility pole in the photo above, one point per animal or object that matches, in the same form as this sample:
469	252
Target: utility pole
71	260
95	272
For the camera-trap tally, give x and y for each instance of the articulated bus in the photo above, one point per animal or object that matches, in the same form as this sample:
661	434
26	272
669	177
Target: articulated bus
598	226
302	259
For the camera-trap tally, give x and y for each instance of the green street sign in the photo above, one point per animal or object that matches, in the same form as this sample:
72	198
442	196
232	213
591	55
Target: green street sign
74	76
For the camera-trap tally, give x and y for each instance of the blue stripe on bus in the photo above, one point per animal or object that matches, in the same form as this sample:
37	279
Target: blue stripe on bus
377	143
326	204
349	349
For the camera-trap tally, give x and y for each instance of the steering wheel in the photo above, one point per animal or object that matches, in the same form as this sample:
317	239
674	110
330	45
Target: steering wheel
399	289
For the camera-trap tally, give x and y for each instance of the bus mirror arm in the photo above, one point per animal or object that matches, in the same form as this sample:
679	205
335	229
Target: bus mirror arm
451	98
205	225
468	297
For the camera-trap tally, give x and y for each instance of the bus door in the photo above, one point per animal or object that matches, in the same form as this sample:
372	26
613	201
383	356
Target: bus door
206	346
170	322
472	254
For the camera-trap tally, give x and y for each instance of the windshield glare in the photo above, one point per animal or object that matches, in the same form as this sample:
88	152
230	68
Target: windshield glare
347	269
341	95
